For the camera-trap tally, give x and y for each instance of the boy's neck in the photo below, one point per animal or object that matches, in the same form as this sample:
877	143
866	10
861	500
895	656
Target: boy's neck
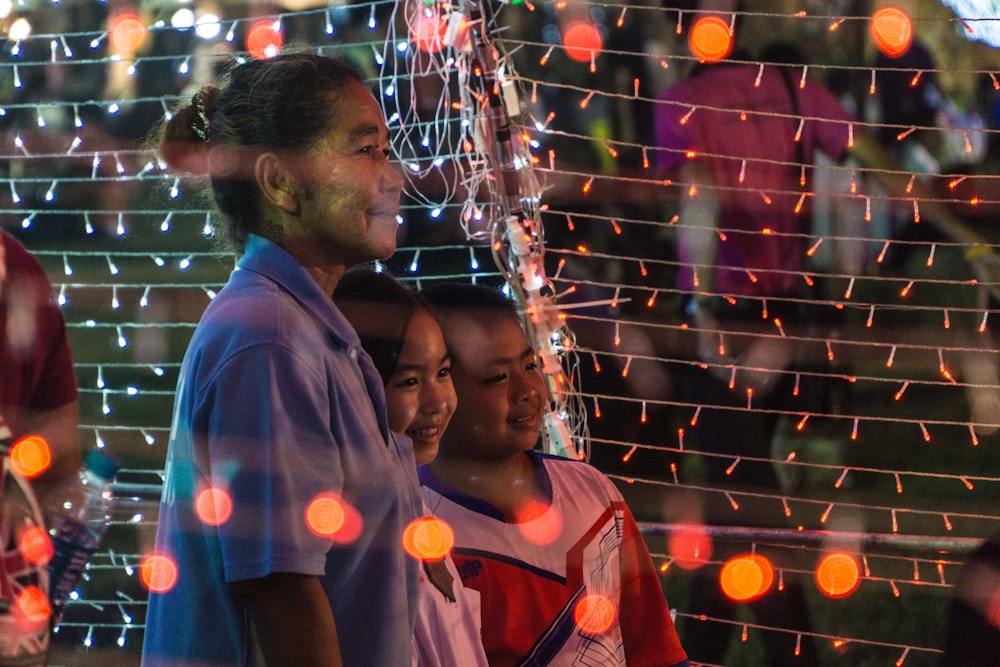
510	485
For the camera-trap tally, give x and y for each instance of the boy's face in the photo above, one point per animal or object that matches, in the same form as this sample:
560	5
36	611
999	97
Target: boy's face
501	393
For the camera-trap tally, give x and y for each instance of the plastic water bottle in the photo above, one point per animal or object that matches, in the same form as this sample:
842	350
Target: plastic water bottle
77	526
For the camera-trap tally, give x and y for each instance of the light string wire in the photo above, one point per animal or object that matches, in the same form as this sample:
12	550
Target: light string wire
492	168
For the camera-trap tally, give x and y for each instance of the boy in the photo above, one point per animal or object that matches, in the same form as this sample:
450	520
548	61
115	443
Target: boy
549	544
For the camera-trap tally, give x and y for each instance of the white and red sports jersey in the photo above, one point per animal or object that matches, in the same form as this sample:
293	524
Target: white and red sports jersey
537	576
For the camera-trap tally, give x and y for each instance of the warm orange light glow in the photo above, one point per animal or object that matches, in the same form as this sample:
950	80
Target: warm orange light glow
747	577
158	573
838	575
331	517
710	40
540	524
34	604
263	41
582	40
325	515
30	456
213	506
127	32
892	31
690	547
428	29
428	538
993	609
594	614
35	545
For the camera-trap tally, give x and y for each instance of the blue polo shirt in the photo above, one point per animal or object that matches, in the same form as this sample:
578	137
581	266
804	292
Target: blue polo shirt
278	405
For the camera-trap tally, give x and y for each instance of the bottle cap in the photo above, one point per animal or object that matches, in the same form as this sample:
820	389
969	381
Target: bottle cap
102	463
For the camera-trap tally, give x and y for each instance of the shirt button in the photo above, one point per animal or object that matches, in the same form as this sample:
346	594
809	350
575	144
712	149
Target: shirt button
354	353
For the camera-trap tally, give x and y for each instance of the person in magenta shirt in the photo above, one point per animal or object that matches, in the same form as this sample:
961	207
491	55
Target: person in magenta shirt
742	140
38	394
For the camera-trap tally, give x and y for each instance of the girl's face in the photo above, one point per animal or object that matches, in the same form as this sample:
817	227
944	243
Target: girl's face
419	394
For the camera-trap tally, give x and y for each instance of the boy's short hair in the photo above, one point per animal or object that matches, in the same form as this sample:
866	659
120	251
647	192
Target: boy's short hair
478	301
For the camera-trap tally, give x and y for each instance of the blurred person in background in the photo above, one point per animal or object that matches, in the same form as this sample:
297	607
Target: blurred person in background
972	627
724	252
38	397
38	391
743	139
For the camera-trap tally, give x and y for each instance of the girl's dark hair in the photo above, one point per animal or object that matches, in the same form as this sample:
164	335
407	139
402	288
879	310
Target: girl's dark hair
284	103
380	308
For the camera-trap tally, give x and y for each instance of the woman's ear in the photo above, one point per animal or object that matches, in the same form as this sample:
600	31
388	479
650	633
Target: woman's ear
277	183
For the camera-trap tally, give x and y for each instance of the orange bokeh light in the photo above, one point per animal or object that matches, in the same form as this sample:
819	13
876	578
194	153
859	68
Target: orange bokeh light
30	456
325	515
127	32
710	40
747	577
428	538
35	545
892	31
594	614
329	516
213	506
838	575
428	29
263	41
539	523
34	604
582	40
158	573
690	547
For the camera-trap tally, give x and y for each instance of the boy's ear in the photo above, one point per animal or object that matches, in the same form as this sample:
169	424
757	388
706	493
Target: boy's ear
277	183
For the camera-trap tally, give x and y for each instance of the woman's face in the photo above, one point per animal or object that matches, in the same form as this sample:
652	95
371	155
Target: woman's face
420	398
349	190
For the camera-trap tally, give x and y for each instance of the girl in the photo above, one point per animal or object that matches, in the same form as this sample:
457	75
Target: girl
397	328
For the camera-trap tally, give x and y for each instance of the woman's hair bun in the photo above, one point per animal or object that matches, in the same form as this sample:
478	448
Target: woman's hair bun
185	138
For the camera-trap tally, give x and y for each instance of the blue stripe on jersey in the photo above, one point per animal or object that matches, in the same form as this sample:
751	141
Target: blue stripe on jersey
549	644
503	558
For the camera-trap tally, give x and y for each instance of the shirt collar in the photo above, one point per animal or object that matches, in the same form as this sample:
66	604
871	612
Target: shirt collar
270	260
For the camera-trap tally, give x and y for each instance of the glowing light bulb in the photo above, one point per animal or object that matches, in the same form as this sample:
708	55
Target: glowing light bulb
838	575
265	39
746	577
581	39
892	31
710	39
